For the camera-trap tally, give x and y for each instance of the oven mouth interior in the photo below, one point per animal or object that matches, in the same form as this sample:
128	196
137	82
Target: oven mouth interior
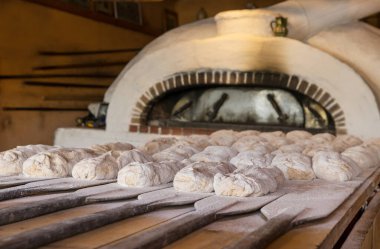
239	107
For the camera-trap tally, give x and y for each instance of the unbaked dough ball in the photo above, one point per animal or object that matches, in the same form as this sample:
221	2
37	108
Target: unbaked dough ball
323	138
247	133
289	148
272	135
159	144
331	166
103	148
175	153
197	141
364	156
298	135
55	163
311	149
199	176
214	154
295	166
252	182
130	156
343	142
103	167
249	159
138	174
11	160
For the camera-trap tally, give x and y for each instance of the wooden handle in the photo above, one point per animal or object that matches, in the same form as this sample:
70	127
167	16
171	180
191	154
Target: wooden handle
264	235
165	233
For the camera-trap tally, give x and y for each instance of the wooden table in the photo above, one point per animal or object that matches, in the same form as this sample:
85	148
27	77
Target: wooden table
321	234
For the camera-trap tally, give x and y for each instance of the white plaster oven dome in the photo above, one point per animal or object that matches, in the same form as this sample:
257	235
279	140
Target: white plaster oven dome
310	53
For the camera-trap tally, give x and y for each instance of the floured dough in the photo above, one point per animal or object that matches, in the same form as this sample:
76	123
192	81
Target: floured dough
130	156
175	153
343	142
272	135
323	138
278	142
107	165
298	135
311	149
11	160
103	148
148	174
289	148
247	133
249	159
214	154
250	143
295	166
226	140
55	163
103	167
331	166
248	182
199	176
159	144
224	133
197	141
365	156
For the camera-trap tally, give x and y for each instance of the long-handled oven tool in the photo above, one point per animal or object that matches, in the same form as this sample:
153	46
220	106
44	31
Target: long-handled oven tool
294	209
102	193
11	181
210	209
66	228
48	186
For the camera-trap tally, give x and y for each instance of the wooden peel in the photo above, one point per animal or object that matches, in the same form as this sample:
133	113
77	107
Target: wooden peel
66	228
11	181
206	211
97	194
294	209
48	186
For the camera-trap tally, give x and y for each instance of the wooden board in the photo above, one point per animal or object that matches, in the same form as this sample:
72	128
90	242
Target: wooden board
323	233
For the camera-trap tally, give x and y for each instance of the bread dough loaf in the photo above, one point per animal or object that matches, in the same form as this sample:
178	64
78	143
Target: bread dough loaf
343	142
249	159
295	166
311	149
364	156
298	135
223	137
331	166
248	182
214	154
247	133
148	174
278	142
159	144
253	143
175	153
11	160
226	140
323	138
103	167
289	148
199	176
103	148
197	141
55	163
130	156
272	135
107	165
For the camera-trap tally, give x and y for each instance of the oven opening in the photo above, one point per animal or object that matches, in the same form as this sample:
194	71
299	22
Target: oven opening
240	108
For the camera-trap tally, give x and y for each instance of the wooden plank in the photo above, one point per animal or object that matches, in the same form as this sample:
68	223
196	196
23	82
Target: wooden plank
119	230
362	233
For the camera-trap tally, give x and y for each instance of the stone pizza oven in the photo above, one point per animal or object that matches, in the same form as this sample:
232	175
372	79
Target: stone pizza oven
230	71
